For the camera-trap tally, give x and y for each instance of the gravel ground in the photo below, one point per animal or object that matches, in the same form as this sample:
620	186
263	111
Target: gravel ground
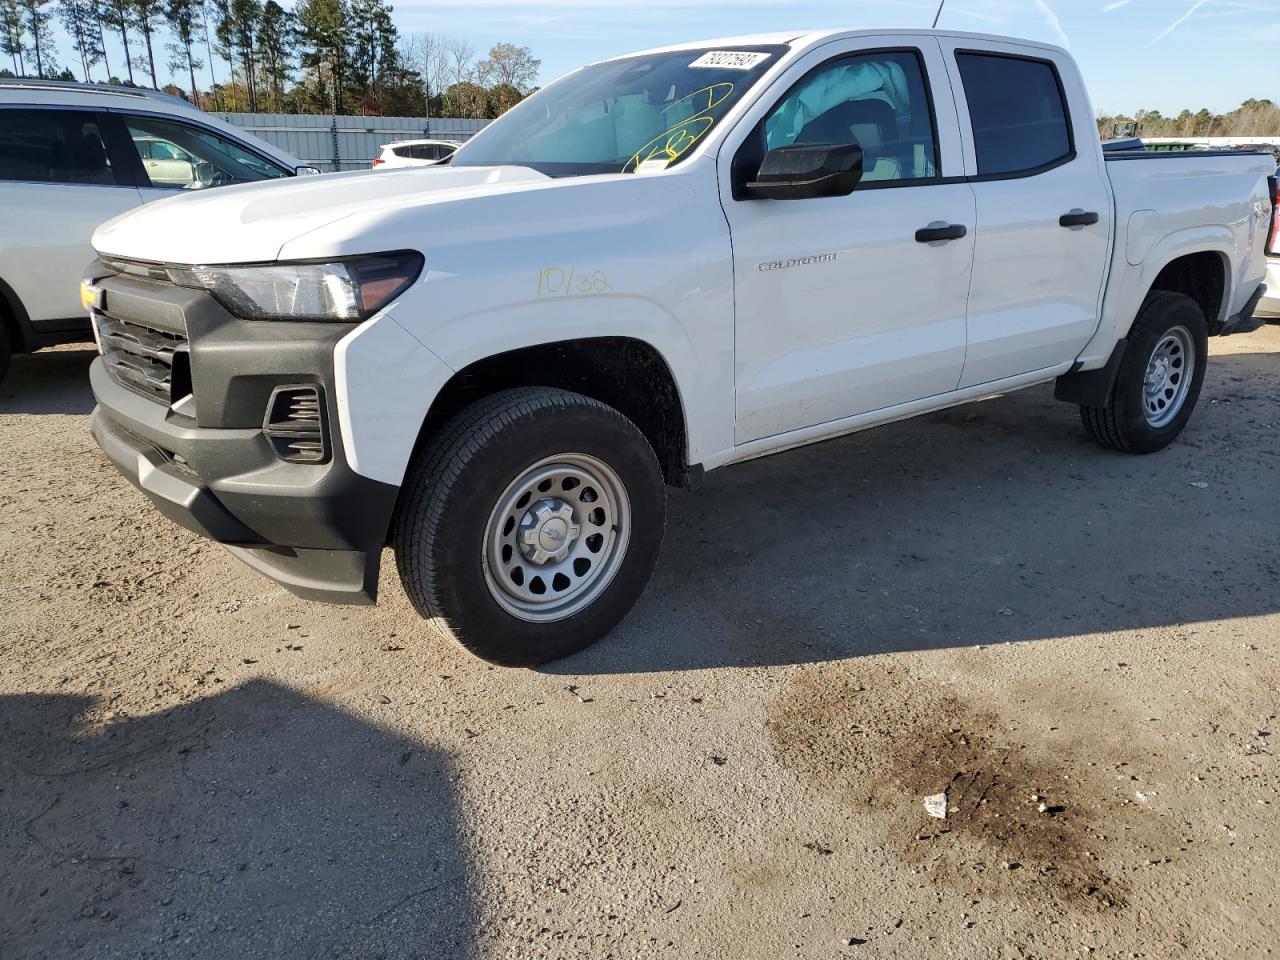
195	764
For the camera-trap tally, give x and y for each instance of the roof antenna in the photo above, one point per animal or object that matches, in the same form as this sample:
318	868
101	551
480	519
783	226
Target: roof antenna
939	13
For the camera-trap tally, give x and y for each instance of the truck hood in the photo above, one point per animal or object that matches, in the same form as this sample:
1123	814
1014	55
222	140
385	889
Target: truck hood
250	223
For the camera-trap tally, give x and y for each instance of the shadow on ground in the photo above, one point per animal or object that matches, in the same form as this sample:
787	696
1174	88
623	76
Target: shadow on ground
254	823
994	522
50	381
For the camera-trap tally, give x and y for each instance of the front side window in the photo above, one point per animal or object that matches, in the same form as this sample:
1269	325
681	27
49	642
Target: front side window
612	117
1016	109
53	146
188	157
878	101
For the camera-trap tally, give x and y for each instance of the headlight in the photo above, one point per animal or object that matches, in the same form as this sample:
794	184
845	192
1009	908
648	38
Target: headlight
346	290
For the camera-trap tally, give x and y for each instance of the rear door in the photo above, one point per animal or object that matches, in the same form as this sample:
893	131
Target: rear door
840	309
1044	207
57	183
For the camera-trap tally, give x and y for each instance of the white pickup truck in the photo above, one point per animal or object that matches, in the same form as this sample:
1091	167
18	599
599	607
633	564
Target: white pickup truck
658	265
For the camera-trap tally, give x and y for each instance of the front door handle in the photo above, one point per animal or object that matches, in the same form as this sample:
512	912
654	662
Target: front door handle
940	231
1078	218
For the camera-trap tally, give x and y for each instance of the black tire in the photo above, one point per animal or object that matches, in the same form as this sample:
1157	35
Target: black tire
6	349
454	486
1122	424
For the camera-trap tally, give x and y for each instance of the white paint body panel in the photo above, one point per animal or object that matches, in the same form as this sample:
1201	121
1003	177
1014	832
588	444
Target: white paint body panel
1037	286
44	240
762	360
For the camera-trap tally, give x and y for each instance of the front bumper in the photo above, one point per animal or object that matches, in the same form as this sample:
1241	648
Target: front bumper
1269	305
316	528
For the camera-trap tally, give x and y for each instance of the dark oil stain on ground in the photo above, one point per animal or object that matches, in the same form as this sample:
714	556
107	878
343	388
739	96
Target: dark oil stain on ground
880	740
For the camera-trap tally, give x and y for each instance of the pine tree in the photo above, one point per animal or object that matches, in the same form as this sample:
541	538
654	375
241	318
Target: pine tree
37	24
277	43
237	31
146	15
322	41
118	15
11	31
183	17
79	21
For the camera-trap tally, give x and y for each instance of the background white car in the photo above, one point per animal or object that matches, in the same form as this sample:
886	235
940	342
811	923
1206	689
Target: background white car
414	153
73	155
1269	306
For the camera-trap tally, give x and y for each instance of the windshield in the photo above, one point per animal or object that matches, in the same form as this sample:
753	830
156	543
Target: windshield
612	117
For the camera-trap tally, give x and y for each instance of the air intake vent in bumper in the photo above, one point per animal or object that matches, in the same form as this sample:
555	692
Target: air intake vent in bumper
295	424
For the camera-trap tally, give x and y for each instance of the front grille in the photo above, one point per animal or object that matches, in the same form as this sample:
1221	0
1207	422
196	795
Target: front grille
149	361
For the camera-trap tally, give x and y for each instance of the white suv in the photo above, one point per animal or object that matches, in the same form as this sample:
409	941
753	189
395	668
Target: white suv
73	155
415	153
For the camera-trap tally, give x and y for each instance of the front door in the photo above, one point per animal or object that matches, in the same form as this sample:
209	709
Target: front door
1044	209
840	309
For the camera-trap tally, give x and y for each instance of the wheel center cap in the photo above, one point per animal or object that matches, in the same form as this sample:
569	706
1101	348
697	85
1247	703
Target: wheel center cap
1158	374
553	534
547	531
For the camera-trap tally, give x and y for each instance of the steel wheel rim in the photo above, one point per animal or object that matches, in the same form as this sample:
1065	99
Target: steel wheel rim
556	537
1167	381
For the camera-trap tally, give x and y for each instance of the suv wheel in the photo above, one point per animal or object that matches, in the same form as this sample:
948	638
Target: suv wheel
1159	378
6	348
530	526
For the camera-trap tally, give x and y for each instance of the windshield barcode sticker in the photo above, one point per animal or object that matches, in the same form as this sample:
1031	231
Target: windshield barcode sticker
730	59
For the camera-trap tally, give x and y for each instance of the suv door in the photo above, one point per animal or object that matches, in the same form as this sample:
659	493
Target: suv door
1044	208
839	309
58	181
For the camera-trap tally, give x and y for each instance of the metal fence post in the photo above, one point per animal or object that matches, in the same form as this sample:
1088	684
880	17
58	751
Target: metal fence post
337	158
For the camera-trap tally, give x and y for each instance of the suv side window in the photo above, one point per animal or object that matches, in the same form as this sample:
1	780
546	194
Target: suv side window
1017	111
187	157
53	146
878	100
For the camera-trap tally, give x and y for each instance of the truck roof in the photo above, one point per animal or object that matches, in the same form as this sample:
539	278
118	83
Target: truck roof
803	39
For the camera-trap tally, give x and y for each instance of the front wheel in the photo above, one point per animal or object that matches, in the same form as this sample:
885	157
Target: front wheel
1159	378
530	526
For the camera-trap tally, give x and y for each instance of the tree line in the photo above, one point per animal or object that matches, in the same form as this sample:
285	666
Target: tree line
324	56
1253	118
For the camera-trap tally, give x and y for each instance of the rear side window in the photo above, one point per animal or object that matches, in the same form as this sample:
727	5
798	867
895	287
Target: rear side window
1019	119
53	146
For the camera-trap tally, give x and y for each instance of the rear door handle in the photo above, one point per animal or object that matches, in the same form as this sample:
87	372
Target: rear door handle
940	231
1078	218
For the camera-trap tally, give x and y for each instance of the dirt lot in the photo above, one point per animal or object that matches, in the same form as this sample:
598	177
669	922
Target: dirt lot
195	764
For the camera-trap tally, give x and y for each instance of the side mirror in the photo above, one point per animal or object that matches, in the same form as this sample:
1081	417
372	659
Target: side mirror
307	171
806	170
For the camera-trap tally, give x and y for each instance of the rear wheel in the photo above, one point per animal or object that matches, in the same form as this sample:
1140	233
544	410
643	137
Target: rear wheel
530	526
1159	378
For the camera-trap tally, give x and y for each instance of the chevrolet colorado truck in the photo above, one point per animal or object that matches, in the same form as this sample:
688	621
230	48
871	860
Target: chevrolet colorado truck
659	265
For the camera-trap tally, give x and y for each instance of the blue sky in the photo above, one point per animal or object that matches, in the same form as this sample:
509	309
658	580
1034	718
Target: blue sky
1153	54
